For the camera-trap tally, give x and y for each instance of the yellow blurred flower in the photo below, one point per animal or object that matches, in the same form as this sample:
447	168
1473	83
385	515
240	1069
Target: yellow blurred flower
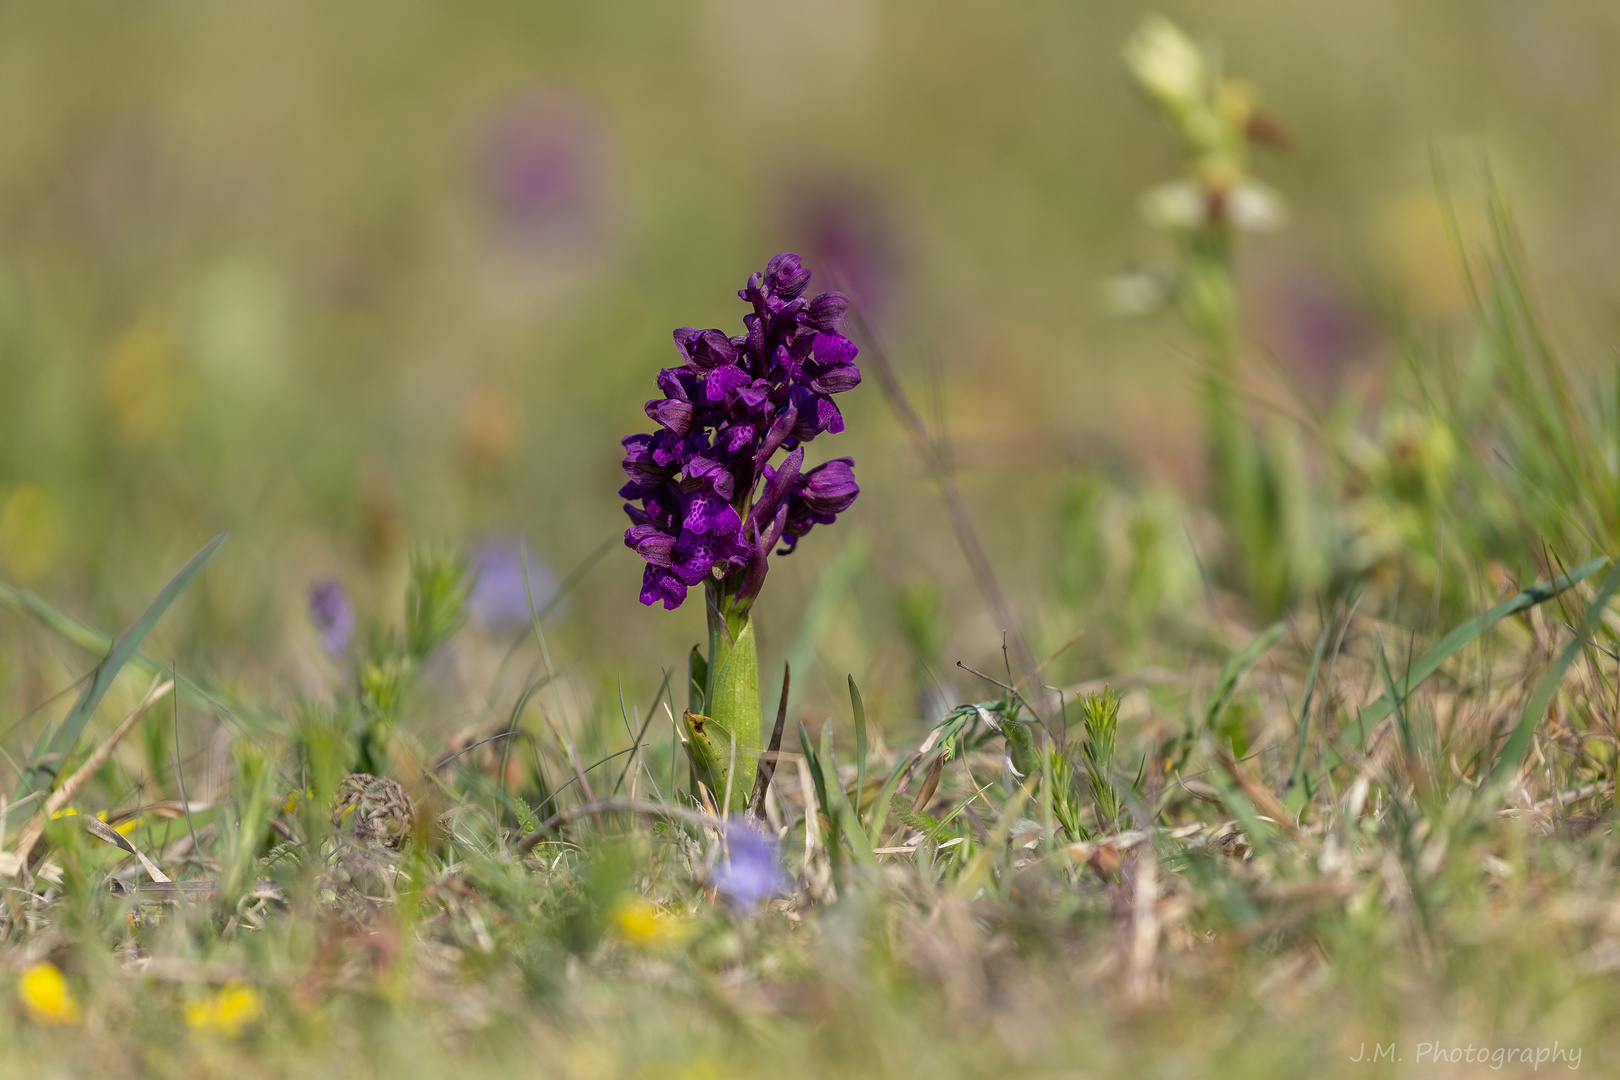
1412	241
699	1068
702	1068
144	385
642	922
228	1011
30	531
491	425
45	995
125	827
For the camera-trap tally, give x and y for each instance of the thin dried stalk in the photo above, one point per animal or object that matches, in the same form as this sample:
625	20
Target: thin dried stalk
29	837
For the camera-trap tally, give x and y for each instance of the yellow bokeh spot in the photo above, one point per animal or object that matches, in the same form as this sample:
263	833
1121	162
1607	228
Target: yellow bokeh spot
144	385
1413	243
642	922
702	1068
125	827
699	1068
30	531
491	425
45	995
228	1011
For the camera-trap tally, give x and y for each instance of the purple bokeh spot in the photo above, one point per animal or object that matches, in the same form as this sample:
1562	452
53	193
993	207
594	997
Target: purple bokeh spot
544	168
332	614
753	873
499	599
850	229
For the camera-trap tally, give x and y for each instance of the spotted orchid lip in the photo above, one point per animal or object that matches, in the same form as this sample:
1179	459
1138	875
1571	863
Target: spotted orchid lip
711	506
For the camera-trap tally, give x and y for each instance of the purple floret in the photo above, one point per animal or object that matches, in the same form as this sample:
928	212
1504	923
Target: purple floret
753	872
332	614
711	506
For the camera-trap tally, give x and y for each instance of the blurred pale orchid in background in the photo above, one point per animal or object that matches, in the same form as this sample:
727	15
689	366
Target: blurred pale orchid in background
1215	119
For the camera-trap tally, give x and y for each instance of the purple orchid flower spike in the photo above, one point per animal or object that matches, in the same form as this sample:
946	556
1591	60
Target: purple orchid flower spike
752	874
332	614
710	503
706	503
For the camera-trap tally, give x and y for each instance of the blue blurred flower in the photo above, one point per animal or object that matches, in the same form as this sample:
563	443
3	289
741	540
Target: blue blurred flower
499	598
753	872
332	614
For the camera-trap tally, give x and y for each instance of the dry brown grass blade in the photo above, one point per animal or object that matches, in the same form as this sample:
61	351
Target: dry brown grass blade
930	785
12	862
1266	804
104	832
163	808
1144	945
168	891
620	805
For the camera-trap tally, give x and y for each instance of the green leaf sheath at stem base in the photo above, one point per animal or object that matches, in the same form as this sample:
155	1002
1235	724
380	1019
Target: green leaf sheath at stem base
732	697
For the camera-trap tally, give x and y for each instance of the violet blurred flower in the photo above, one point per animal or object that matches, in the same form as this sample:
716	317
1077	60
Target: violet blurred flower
711	504
851	230
753	873
1319	332
332	614
544	169
499	598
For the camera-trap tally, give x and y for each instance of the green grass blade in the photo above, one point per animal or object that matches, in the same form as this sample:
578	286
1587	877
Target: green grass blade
850	824
1444	649
1236	667
92	640
819	610
1507	765
819	779
860	738
816	778
697	677
1305	707
43	767
1262	836
880	809
1403	721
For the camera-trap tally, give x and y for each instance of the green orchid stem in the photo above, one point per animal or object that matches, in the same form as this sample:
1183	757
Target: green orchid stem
732	694
1246	485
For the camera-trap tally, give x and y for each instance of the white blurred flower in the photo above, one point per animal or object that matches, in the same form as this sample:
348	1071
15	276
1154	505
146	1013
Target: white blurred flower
1166	63
1175	206
1181	205
1254	207
1132	294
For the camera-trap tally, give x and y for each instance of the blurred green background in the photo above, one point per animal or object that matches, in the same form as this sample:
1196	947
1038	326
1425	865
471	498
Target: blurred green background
343	278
